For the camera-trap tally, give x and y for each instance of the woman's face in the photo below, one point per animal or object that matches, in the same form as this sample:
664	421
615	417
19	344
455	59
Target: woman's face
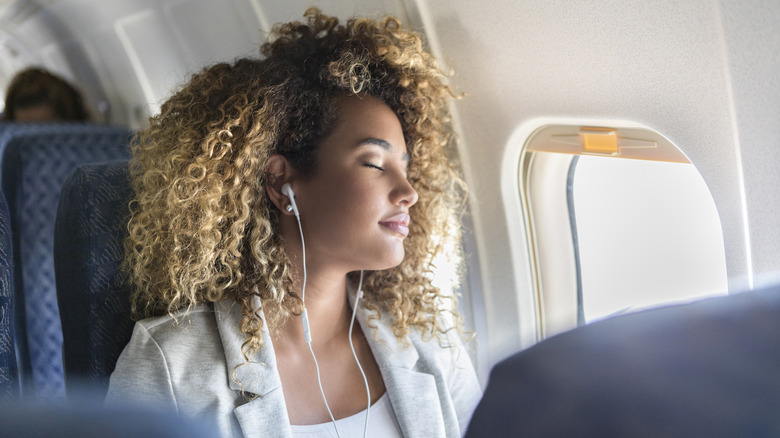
355	208
37	113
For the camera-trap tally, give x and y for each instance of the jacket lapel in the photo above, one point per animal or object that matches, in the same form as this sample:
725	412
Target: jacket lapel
412	390
265	415
415	401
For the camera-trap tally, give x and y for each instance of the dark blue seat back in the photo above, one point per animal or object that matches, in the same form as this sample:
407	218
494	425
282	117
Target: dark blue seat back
88	419
9	377
94	299
11	130
706	369
34	166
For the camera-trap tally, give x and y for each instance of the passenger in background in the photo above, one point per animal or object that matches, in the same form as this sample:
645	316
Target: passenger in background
35	95
271	189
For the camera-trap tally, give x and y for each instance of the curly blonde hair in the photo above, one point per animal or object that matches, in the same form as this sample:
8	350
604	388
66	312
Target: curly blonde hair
202	227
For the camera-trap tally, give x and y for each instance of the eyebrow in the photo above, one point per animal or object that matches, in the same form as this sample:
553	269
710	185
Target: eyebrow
384	144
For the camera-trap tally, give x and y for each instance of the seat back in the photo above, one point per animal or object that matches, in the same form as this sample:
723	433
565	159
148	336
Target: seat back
34	166
93	297
9	376
89	419
703	369
12	130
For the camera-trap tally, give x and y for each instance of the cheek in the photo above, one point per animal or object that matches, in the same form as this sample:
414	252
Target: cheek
341	205
355	198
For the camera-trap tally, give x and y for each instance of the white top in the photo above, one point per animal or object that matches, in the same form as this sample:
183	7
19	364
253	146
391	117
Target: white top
381	424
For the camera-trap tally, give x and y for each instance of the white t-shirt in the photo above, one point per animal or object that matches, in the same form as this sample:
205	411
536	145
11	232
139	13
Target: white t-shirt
381	424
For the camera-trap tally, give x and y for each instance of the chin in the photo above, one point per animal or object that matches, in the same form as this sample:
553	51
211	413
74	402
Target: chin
390	261
399	258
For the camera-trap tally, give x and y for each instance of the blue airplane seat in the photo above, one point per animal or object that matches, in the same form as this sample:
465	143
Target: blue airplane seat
9	376
86	418
34	166
94	299
705	369
11	130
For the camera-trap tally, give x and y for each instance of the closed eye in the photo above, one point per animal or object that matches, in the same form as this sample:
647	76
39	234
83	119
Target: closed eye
374	166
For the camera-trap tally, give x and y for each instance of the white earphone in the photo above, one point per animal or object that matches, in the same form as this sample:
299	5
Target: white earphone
288	191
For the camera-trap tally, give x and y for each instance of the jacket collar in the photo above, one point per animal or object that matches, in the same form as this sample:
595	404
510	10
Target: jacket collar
409	385
265	414
257	375
408	382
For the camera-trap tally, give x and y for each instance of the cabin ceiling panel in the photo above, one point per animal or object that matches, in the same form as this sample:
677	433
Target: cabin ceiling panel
213	32
87	15
123	90
157	59
277	12
14	56
56	57
35	31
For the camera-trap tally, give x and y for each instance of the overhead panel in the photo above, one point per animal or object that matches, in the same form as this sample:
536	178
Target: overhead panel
56	58
212	32
277	12
156	58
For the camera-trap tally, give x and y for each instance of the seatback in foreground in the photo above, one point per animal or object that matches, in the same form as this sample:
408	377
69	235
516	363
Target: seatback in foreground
706	369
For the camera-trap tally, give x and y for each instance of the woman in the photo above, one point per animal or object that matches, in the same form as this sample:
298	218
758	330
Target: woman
35	95
268	194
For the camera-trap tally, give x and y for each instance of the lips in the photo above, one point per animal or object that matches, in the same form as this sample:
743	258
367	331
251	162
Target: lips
398	223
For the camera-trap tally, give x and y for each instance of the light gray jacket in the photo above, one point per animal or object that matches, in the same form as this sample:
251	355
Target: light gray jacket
187	367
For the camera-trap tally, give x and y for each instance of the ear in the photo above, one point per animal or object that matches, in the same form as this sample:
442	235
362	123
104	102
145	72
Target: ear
278	171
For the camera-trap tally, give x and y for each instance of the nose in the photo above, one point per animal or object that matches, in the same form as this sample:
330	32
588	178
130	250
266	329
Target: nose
405	194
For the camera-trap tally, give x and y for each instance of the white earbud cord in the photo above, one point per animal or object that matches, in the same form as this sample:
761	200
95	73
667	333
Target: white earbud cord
351	324
307	332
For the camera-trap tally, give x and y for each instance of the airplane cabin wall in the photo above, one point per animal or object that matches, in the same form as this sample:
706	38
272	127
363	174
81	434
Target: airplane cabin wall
702	73
752	37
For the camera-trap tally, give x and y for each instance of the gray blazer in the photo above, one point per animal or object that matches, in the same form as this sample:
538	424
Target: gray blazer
187	366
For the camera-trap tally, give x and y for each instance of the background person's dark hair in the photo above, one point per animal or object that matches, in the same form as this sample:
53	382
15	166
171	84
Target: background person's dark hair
35	87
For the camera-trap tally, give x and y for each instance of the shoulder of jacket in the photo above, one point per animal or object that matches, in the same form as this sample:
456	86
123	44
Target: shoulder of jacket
195	320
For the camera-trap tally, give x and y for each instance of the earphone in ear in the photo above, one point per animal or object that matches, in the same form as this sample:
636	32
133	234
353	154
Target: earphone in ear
288	191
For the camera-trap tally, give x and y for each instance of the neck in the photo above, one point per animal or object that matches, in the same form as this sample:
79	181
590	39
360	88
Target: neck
326	305
325	295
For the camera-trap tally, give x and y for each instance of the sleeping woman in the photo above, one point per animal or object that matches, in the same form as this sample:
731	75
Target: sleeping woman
277	201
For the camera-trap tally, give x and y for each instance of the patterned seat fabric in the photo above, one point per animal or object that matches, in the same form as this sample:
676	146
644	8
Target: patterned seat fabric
88	249
34	166
9	378
11	130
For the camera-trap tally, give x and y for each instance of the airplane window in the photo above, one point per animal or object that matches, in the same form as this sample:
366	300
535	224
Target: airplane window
619	220
647	233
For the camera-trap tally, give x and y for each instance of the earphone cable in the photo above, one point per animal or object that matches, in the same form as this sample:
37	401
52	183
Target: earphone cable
319	381
362	373
303	254
307	332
